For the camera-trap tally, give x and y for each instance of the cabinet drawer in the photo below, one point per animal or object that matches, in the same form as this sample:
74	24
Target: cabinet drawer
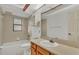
33	51
42	51
33	45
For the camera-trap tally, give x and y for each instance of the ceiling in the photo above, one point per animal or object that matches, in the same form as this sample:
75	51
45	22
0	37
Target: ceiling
17	9
19	5
31	9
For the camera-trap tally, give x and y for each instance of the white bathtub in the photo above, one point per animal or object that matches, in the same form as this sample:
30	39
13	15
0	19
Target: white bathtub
15	48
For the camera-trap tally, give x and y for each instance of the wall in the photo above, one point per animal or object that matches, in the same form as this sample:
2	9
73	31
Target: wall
43	28
8	34
1	27
61	23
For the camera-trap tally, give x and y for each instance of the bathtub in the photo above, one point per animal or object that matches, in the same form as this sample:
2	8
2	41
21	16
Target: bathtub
15	48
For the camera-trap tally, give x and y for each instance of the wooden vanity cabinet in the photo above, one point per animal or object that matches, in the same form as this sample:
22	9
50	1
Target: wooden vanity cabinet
37	50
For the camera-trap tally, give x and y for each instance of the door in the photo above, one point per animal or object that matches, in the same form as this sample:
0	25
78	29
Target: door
44	28
73	26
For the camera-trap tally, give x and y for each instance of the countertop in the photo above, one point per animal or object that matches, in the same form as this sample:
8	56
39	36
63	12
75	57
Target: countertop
60	49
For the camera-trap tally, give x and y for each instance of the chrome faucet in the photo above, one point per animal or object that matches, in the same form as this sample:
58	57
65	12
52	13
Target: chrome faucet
51	40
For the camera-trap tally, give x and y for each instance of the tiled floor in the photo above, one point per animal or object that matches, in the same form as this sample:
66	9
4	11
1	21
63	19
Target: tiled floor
15	48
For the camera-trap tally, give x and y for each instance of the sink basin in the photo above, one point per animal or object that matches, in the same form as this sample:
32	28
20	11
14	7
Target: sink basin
46	43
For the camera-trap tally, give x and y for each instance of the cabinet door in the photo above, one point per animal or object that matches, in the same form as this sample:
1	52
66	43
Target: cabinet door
33	51
33	48
38	53
33	45
42	51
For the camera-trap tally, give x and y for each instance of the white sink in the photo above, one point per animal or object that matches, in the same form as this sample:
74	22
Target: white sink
46	43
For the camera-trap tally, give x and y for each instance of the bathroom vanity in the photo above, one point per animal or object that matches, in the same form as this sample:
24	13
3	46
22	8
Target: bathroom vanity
37	50
43	47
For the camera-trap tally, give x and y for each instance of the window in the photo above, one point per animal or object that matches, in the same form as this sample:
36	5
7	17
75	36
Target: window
17	24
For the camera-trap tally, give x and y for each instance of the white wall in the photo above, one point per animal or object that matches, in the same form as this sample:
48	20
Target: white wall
8	34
